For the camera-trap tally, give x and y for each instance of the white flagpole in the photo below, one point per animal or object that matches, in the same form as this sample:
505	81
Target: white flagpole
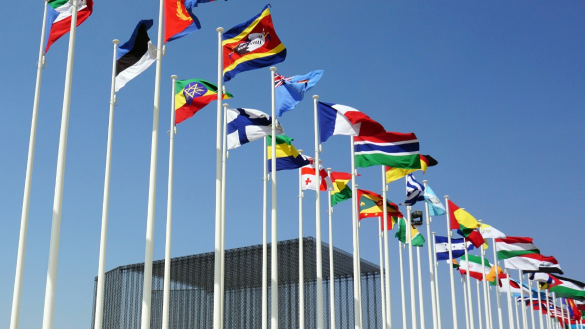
421	303
382	295
434	300
479	306
541	322
498	293
469	300
265	179
411	269
402	286
301	256
449	233
554	299
319	257
548	322
386	254
15	315
218	268
465	302
486	296
274	238
436	270
530	308
99	299
357	298
49	308
331	263
523	306
167	275
224	156
510	309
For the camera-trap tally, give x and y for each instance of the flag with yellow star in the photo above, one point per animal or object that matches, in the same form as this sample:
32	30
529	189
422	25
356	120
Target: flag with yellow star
193	95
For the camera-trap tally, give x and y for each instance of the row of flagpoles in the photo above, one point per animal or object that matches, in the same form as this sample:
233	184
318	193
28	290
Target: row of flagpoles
370	145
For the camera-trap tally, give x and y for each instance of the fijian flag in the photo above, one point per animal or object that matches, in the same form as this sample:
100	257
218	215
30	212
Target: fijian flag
136	55
414	191
247	125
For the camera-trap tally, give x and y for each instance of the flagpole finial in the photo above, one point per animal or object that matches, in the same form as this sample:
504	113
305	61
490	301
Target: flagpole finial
116	41
225	105
174	77
328	169
219	29
315	96
446	197
300	151
273	68
424	181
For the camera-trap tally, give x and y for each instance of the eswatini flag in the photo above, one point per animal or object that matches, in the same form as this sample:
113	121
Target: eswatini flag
193	95
59	14
337	119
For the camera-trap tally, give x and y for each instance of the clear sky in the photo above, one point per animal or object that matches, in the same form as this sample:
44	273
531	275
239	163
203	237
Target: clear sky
494	90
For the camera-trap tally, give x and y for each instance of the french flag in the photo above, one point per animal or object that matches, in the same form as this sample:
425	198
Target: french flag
336	119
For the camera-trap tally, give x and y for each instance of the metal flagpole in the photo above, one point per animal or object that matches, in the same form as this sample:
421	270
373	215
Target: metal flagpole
357	298
265	242
99	299
431	269
523	306
421	303
539	306
469	300
49	308
411	269
479	305
167	275
386	255
301	257
15	314
449	233
489	307
548	322
218	270
510	308
486	296
530	309
331	263
224	156
554	298
382	295
319	257
498	293
274	237
400	247
436	265
465	302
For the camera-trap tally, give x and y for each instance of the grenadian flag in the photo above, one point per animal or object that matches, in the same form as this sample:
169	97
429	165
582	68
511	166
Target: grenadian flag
290	91
179	19
59	14
251	45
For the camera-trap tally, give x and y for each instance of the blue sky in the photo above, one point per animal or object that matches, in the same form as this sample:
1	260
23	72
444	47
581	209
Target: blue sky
494	91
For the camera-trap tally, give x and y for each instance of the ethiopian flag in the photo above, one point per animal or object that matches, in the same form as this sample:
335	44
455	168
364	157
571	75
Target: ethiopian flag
59	14
341	191
370	204
417	239
192	95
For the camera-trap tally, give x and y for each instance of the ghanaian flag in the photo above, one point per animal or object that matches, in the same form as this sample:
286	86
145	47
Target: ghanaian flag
370	204
341	191
393	174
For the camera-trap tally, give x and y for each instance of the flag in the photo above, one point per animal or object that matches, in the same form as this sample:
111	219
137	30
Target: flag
308	178
290	91
393	174
414	191
489	232
542	278
135	55
473	266
59	14
515	246
287	156
457	247
417	239
341	189
390	149
370	204
247	125
193	95
568	288
533	262
436	208
514	286
466	224
491	275
251	45
179	19
574	312
337	119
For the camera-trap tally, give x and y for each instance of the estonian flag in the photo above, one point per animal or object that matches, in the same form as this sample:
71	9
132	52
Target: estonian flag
136	55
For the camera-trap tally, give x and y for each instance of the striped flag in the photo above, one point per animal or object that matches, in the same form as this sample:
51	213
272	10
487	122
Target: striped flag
135	55
457	247
393	174
370	204
341	190
472	265
392	149
414	191
287	156
465	223
192	95
337	119
59	14
247	125
568	288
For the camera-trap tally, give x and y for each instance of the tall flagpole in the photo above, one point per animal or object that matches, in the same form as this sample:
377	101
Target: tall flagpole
510	308
548	323
486	296
382	288
274	240
301	256
539	306
530	309
434	299
224	156
386	254
265	241
421	303
498	292
402	287
15	315
167	275
331	263
357	298
449	233
218	268
436	270
319	258
469	300
99	299
523	306
411	269
479	306
465	302
49	308
554	299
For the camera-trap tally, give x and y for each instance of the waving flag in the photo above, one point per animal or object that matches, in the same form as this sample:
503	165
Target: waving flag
135	55
465	223
247	125
59	14
472	265
457	247
193	95
341	190
290	91
179	19
436	208
393	174
370	204
568	288
287	156
521	254
414	191
417	239
337	119
308	178
391	149
489	232
251	45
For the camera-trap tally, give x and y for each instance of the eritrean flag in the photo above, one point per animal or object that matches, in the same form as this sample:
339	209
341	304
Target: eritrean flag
192	95
287	156
59	14
370	204
341	190
251	45
179	19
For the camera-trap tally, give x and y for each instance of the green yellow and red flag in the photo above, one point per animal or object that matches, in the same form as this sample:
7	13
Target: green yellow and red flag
193	95
370	204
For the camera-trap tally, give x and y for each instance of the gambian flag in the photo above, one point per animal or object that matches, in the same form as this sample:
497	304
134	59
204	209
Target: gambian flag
341	189
370	204
251	45
417	239
135	55
393	174
567	288
192	95
391	149
59	18
179	19
337	119
287	156
472	265
466	224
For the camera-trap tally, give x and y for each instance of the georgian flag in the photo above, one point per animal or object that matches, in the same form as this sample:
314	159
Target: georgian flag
135	55
336	119
309	181
414	191
247	125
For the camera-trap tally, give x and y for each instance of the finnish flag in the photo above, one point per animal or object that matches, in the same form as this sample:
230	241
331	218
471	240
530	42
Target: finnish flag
247	125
